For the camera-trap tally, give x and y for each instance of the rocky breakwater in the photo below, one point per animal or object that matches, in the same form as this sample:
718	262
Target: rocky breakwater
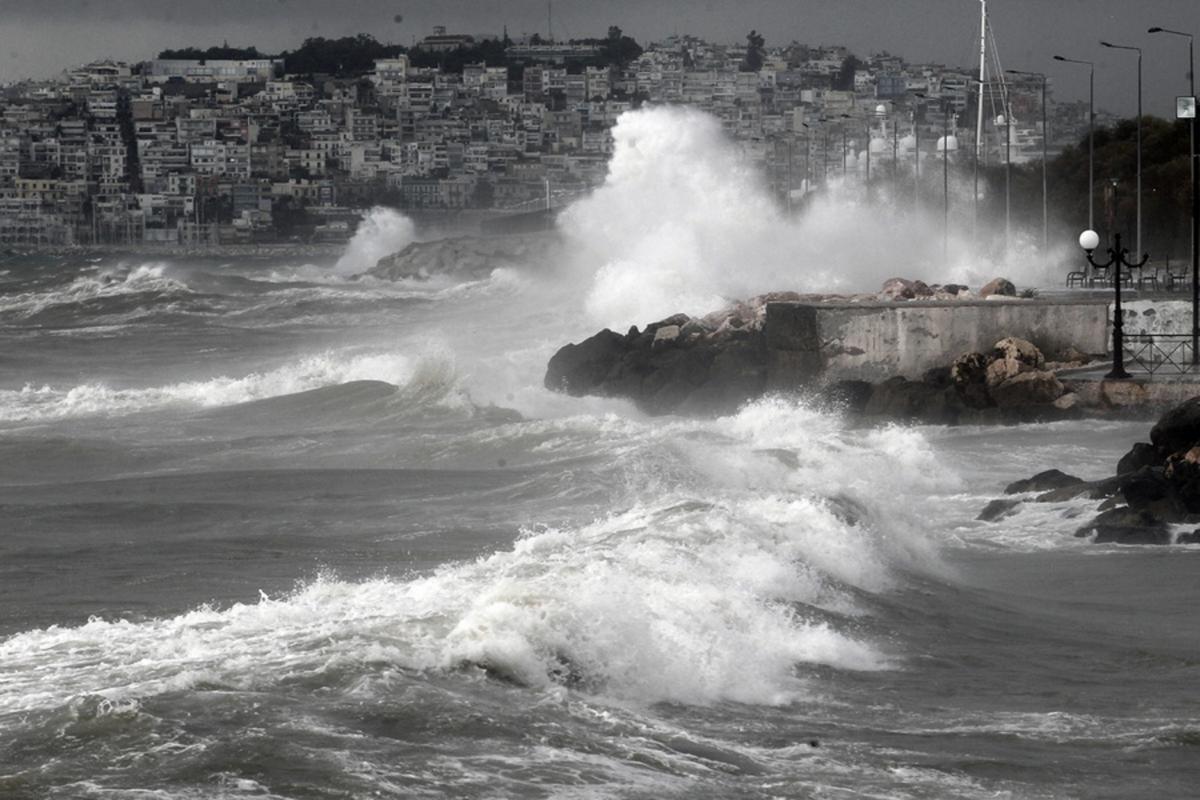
714	363
681	364
1153	497
1012	382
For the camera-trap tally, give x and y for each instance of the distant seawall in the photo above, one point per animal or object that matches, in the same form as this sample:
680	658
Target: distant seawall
813	343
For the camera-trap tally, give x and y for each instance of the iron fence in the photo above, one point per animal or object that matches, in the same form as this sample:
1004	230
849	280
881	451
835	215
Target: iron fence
1159	352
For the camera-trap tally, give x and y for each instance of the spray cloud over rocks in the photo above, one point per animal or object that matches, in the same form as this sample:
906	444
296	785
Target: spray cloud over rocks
381	232
685	223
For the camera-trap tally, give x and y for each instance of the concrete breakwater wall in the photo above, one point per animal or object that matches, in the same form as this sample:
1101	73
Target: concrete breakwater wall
811	343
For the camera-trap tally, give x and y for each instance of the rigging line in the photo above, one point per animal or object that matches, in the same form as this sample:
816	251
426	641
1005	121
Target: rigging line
999	72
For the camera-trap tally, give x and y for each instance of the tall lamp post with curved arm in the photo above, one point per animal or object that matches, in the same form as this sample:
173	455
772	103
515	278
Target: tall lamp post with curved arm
1091	65
1045	135
1137	50
1195	159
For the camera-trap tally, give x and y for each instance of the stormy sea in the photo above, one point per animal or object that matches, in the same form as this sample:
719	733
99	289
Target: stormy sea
277	529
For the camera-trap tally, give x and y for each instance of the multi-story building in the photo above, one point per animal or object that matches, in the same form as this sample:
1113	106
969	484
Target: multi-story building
212	70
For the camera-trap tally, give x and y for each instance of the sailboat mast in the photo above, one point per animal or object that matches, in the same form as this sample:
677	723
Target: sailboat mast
982	76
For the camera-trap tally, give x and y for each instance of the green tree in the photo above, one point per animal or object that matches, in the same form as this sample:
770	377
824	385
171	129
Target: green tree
844	81
349	55
755	44
224	52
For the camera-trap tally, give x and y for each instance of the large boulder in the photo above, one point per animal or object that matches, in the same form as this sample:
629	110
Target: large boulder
579	369
999	509
1021	351
897	289
675	365
1001	287
1142	454
1034	388
1043	482
968	374
902	399
1178	429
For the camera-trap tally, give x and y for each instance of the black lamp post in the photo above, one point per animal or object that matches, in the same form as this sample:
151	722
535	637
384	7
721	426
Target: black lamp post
867	179
1045	135
1089	240
1195	207
895	147
807	158
916	156
1005	119
1091	136
946	179
844	117
825	157
1137	50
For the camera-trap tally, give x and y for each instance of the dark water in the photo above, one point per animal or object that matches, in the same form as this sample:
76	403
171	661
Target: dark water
269	532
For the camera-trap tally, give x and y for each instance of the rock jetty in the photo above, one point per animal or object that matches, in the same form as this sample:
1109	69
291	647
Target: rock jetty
713	364
681	364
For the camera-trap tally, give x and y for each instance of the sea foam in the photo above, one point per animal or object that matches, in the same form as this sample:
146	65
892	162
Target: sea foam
381	232
31	404
684	223
724	580
143	278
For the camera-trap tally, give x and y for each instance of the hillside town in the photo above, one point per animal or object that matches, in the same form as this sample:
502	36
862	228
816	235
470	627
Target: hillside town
196	151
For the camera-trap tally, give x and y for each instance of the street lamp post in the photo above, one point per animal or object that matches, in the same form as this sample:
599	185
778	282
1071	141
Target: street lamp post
807	158
895	147
825	158
844	148
945	144
916	163
1005	119
1195	159
946	179
868	175
1137	50
1117	257
1045	136
1091	136
916	156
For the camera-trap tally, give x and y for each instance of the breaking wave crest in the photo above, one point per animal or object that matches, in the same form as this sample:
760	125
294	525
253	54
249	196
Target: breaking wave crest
143	279
34	404
732	585
685	223
380	233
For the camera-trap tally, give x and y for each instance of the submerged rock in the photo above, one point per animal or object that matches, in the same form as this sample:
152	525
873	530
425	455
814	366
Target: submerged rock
998	509
1042	482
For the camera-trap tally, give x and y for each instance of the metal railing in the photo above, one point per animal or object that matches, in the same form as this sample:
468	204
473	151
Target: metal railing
1159	352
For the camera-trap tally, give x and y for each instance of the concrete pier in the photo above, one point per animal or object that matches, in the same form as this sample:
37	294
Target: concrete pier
816	343
823	342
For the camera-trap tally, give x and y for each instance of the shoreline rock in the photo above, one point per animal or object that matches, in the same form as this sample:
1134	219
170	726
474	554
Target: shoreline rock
1156	486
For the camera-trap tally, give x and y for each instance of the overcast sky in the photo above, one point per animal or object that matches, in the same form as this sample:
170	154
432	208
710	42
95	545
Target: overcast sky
39	38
